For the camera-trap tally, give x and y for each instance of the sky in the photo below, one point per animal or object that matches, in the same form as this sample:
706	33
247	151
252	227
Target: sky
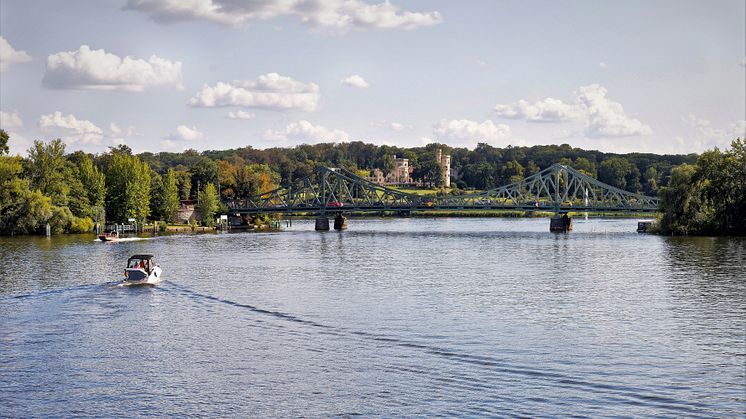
168	75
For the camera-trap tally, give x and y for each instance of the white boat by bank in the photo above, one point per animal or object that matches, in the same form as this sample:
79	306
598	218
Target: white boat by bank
142	270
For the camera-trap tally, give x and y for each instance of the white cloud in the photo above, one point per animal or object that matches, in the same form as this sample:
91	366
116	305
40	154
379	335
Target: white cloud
116	134
305	132
708	136
743	62
545	110
606	118
10	56
466	132
10	121
333	14
100	70
393	126
73	130
603	117
185	133
241	115
603	66
355	81
269	91
18	143
114	128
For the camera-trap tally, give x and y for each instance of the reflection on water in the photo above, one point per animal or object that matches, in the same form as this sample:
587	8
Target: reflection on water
394	317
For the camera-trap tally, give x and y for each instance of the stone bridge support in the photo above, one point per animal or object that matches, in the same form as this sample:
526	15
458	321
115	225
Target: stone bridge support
560	223
322	223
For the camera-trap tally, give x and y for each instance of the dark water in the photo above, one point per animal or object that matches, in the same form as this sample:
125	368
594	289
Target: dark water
395	317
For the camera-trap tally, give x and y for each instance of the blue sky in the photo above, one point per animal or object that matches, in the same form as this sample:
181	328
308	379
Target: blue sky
165	75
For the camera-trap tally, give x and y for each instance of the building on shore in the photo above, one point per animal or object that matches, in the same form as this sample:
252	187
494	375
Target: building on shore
444	160
401	175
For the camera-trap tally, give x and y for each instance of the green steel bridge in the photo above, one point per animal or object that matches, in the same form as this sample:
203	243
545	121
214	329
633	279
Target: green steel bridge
559	189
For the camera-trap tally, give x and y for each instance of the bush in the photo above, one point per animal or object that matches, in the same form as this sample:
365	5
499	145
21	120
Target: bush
61	219
81	225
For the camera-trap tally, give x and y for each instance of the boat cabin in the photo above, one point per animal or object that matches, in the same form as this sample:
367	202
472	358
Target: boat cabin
144	262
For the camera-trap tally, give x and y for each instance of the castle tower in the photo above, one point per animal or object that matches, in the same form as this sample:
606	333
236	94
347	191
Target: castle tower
444	160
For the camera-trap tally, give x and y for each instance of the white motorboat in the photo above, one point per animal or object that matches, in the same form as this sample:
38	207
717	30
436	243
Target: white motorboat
142	270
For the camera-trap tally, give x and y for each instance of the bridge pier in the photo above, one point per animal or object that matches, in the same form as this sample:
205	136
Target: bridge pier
340	222
322	223
560	223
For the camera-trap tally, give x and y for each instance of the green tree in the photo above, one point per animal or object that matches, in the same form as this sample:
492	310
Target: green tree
203	172
48	171
164	197
77	202
208	204
22	211
10	168
184	180
512	172
684	209
170	196
93	182
651	180
621	173
128	191
723	179
156	196
4	138
255	179
429	171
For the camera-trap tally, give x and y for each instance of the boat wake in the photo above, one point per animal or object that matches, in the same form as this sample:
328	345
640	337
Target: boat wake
125	239
482	370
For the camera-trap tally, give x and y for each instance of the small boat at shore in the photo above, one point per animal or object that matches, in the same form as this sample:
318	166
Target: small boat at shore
142	270
109	236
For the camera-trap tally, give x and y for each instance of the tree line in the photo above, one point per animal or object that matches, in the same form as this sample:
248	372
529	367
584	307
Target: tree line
707	197
73	191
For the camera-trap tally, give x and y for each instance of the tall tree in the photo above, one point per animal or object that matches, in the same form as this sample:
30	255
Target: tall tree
204	171
48	171
94	184
723	176
208	204
128	192
684	209
621	173
170	196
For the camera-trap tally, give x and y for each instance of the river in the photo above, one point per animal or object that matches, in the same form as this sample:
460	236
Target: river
393	317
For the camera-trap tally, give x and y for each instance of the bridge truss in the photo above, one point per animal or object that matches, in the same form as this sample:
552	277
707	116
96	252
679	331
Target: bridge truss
557	189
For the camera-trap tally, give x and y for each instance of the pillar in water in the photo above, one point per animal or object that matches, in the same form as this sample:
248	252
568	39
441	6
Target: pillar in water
322	223
340	222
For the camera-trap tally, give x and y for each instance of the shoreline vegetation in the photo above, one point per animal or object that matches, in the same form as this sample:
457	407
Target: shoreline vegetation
72	192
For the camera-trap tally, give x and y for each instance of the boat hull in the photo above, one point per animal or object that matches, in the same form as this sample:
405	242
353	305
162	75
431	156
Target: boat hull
140	277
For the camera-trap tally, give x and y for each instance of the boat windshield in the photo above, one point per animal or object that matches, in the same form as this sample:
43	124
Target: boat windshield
139	264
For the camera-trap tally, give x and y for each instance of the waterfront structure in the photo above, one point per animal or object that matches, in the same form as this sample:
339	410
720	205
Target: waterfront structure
401	175
557	189
444	160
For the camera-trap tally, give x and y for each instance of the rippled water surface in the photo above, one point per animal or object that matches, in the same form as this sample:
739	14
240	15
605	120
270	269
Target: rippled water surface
394	317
